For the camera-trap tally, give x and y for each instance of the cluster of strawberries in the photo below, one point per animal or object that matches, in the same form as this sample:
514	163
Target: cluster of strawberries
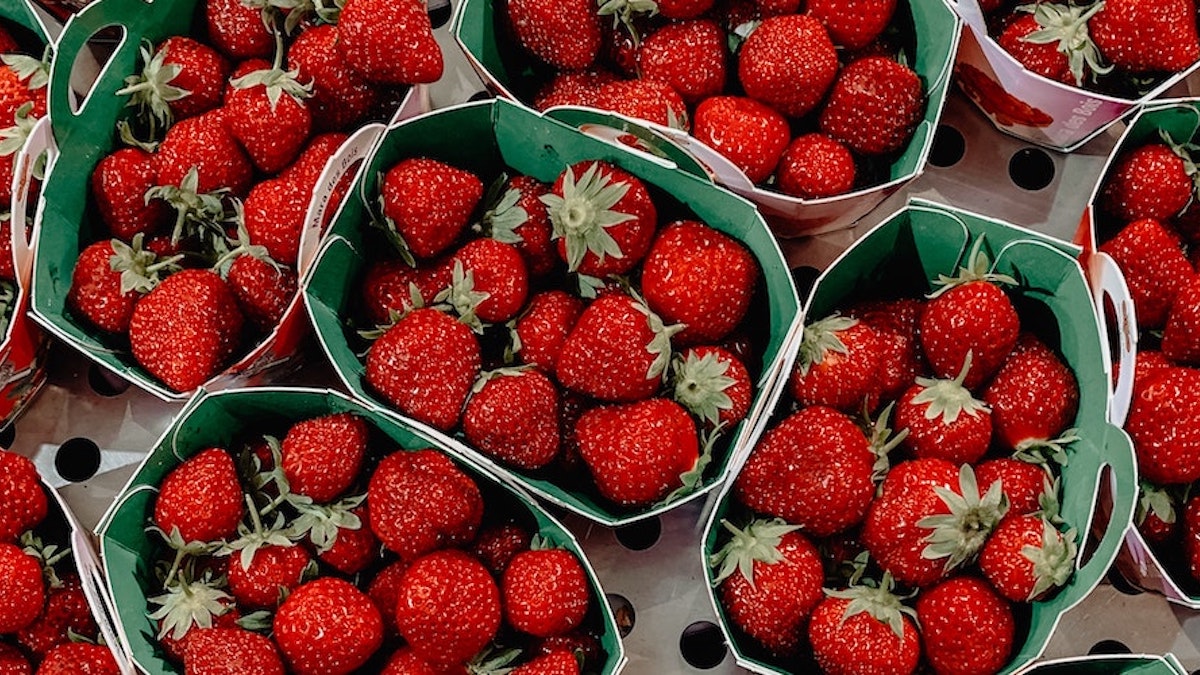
205	200
311	554
801	102
566	329
46	624
963	512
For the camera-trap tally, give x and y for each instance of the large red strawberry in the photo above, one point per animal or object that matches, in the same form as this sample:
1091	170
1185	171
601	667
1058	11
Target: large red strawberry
201	497
1181	336
79	658
108	280
201	75
573	87
837	365
965	626
22	500
1024	483
22	587
649	100
713	385
864	629
384	590
874	106
1118	29
513	416
770	579
263	290
340	96
322	456
1155	267
689	56
489	280
275	212
701	278
561	662
853	24
389	42
421	501
750	134
22	82
66	612
424	366
448	607
266	112
545	592
260	575
1164	423
204	142
389	287
518	216
815	166
541	330
639	452
498	544
788	62
1026	557
13	662
429	203
327	627
944	420
1154	180
119	185
1050	53
231	651
565	34
353	547
895	324
406	661
1033	397
238	29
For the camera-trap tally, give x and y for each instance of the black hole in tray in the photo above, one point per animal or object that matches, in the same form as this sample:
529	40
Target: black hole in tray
702	645
77	459
8	435
104	382
439	12
641	535
1031	168
949	146
480	96
1109	647
1118	581
623	612
805	277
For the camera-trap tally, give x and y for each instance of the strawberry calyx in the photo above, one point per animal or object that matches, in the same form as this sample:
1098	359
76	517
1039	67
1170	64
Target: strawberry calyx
626	12
503	215
239	246
489	375
1067	25
321	522
253	537
35	70
461	297
195	213
139	268
48	555
1184	152
13	138
276	82
1045	451
151	90
583	214
700	384
1156	500
690	480
1051	505
186	604
1053	561
758	542
660	344
947	399
879	602
959	535
978	268
380	221
882	440
820	338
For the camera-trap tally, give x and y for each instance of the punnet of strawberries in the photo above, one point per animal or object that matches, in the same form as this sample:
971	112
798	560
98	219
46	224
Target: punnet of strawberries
299	532
575	322
915	500
196	198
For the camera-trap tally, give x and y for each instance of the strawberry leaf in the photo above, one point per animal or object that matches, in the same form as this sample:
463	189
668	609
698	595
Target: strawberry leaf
583	214
700	384
758	542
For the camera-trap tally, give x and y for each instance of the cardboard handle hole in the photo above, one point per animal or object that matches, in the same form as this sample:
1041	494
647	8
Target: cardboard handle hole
949	147
702	645
8	435
92	62
77	459
805	277
106	383
439	11
623	612
1109	647
641	535
1120	583
1031	169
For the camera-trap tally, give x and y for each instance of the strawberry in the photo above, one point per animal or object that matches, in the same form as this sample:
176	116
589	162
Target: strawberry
309	165
1155	267
583	645
617	350
13	662
965	626
22	586
23	81
1181	337
448	607
263	291
541	330
1157	517
185	330
750	134
700	277
424	366
22	500
1191	535
864	629
421	501
517	216
8	271
1147	363
341	98
788	62
561	662
603	221
1048	56
187	606
944	421
619	44
639	452
354	547
564	34
649	100
119	185
1164	424
79	658
1026	557
389	42
327	626
1023	483
545	592
1033	397
683	9
204	143
769	579
267	114
275	212
815	166
874	106
384	590
66	611
429	203
929	519
853	24
201	497
895	326
513	416
489	280
388	286
268	573
689	56
969	313
573	87
713	385
777	7
201	74
238	29
837	365
1117	31
1154	180
231	651
497	545
405	661
322	456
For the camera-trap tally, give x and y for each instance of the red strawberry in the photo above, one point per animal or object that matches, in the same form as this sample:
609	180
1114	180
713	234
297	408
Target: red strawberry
204	143
202	74
231	651
542	329
23	81
1181	337
1117	31
497	545
260	576
384	590
700	277
66	611
22	586
561	662
1048	58
545	592
263	290
769	580
22	500
617	350
838	365
307	168
340	97
429	203
328	627
788	62
513	416
1026	557
1191	535
689	56
1023	483
864	629
519	217
1155	267
639	452
405	661
713	385
1157	517
815	166
322	456
79	658
489	280
965	626
119	185
648	100
389	42
853	24
185	330
619	47
574	87
1033	397
874	106
565	34
748	133
1164	423
388	286
266	112
421	501
944	421
683	9
895	325
13	662
583	645
275	212
175	628
201	497
424	366
777	7
353	549
1150	181
448	607
238	29
603	218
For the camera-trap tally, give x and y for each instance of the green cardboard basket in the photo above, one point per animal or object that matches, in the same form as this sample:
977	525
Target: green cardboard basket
484	137
219	419
1117	664
907	251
